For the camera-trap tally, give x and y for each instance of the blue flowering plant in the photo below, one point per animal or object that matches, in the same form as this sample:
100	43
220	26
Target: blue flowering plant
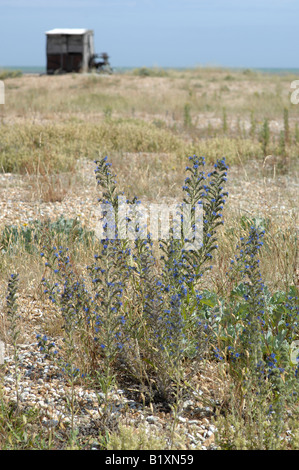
253	316
68	293
168	296
14	326
255	338
186	259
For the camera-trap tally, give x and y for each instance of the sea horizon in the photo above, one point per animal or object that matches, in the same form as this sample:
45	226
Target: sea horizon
40	69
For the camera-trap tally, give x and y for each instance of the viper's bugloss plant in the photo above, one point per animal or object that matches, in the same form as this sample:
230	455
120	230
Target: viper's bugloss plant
269	322
67	291
164	294
14	331
106	307
106	180
110	272
143	307
254	320
186	260
207	192
257	337
157	327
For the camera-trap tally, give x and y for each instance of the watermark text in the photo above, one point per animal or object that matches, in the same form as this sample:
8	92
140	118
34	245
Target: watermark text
2	92
178	221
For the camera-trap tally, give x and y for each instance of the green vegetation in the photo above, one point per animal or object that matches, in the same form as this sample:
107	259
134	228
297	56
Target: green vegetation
4	74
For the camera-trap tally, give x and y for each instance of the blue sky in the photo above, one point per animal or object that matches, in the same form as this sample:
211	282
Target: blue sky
163	33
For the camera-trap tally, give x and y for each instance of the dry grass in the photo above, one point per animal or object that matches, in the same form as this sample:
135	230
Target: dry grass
207	90
53	121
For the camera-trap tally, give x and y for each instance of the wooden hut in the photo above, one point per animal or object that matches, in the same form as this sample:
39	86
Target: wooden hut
69	50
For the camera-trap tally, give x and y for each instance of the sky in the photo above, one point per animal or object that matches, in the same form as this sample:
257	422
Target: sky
158	33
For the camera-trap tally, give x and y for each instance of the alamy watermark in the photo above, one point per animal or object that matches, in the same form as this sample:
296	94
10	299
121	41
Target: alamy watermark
295	352
179	221
295	93
2	92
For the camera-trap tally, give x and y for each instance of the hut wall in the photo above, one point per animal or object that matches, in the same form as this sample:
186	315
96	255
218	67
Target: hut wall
69	53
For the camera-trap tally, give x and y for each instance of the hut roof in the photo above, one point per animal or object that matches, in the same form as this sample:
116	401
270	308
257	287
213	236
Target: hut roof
68	31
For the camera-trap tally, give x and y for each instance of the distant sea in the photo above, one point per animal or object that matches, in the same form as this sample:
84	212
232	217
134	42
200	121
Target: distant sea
38	69
23	69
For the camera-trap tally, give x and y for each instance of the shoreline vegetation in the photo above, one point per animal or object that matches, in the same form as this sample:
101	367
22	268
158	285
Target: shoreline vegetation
268	70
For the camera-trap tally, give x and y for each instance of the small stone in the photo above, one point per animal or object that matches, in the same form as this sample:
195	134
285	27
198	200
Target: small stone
193	444
51	423
2	352
187	403
193	422
209	441
42	404
152	419
181	419
31	403
24	396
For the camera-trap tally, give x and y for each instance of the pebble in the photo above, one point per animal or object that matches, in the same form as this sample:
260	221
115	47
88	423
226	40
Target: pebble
152	419
192	422
187	403
181	419
201	430
51	423
101	395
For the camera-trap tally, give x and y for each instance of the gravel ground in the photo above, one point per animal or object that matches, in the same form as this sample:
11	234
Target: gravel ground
252	189
43	386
